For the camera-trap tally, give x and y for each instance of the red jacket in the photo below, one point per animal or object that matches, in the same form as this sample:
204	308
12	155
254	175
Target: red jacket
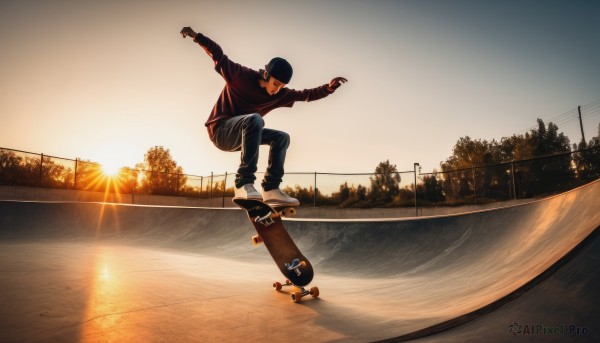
242	93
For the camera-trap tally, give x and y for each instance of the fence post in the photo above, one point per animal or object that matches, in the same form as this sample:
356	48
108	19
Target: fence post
211	186
315	192
135	179
75	176
41	169
224	188
512	173
201	179
415	171
474	185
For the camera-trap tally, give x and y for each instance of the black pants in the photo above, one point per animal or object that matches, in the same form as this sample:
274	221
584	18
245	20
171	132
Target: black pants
247	133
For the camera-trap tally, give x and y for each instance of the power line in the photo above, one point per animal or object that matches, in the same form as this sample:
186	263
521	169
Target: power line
567	118
589	115
593	104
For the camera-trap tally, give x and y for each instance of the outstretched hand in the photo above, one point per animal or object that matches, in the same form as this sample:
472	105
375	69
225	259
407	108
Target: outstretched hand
187	32
336	83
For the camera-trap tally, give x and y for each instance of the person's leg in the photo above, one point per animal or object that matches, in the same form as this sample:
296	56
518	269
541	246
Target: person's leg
279	142
242	133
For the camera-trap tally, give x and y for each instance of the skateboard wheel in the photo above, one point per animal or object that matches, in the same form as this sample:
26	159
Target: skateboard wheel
296	296
302	263
277	286
288	282
289	212
256	240
314	292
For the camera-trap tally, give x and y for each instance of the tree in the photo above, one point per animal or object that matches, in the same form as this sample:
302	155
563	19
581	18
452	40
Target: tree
587	162
468	153
431	189
460	179
345	192
10	168
90	176
549	174
545	141
515	148
127	180
160	173
385	183
361	193
55	175
463	179
351	196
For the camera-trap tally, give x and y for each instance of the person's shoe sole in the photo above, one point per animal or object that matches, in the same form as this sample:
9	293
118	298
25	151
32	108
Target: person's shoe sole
248	198
280	203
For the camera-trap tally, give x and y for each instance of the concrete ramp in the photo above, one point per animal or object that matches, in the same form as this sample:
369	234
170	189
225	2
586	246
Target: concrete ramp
103	272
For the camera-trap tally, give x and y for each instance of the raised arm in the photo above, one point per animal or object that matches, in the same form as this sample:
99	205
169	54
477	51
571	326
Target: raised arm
223	65
212	49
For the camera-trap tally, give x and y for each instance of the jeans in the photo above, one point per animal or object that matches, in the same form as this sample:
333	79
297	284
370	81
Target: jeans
247	133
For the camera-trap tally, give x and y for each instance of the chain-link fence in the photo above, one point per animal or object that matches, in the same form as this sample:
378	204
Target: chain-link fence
535	177
530	178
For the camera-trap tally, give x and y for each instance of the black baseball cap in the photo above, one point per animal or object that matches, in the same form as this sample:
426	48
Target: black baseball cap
280	69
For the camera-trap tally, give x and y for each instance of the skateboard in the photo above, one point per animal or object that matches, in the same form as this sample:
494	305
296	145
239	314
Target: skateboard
266	219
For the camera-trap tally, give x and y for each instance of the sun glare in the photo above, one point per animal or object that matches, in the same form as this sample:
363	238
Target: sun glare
110	169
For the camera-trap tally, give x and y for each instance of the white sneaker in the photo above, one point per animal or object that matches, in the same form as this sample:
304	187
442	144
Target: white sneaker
277	196
247	191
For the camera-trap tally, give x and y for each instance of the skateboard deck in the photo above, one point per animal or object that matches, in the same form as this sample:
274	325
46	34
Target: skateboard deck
266	219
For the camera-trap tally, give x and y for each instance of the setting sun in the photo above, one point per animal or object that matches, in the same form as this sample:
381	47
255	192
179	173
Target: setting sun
110	169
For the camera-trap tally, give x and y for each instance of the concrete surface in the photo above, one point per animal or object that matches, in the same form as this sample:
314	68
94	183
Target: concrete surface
116	273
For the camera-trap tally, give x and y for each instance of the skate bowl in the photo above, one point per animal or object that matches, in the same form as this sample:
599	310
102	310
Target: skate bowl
104	272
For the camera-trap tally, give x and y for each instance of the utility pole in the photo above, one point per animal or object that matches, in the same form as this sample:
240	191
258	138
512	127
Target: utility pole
581	125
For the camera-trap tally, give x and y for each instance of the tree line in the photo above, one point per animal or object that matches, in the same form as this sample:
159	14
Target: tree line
539	162
159	174
545	164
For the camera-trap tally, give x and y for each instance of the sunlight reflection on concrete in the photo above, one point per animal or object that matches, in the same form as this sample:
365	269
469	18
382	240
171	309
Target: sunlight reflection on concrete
106	294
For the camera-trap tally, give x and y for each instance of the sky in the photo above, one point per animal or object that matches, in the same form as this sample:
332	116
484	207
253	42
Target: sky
108	80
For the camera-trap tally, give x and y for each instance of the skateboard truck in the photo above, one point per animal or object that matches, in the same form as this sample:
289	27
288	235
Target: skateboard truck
266	220
295	265
296	296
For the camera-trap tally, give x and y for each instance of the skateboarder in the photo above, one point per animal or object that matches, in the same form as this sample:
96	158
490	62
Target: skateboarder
236	124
